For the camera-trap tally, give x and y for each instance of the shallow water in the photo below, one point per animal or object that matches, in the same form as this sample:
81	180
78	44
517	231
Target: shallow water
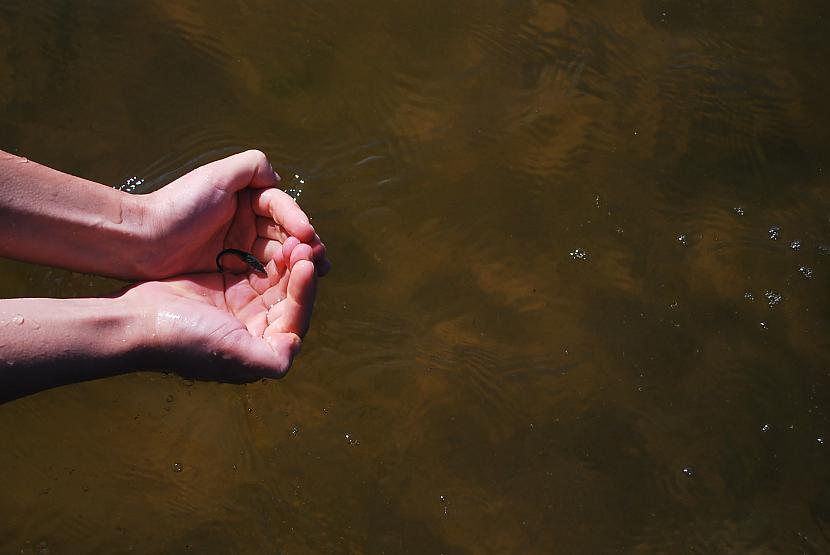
580	294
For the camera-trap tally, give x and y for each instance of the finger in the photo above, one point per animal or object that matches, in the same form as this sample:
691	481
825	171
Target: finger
262	282
318	250
317	254
298	253
302	286
323	267
293	314
274	295
283	210
245	303
288	247
249	168
267	228
266	250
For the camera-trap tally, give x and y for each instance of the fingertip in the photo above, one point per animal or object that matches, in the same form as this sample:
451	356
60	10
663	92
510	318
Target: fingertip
323	267
303	229
296	221
288	247
300	253
304	266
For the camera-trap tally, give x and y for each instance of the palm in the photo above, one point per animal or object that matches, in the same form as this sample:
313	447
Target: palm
244	326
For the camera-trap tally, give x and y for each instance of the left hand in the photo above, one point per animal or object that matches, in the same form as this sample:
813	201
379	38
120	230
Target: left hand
230	203
224	326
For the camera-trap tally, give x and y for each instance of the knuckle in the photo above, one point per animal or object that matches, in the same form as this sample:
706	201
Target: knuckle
258	157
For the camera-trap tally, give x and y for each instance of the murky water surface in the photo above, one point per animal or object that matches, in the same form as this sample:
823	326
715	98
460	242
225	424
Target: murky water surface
580	300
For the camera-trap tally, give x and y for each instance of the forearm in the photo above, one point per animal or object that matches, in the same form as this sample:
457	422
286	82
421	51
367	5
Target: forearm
50	342
52	218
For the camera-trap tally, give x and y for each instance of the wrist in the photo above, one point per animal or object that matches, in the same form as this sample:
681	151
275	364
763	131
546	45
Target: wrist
130	333
137	213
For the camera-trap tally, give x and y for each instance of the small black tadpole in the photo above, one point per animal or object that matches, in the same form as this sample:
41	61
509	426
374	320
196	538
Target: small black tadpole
246	257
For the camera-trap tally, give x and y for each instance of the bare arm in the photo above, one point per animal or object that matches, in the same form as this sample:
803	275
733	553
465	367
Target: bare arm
227	327
50	342
52	218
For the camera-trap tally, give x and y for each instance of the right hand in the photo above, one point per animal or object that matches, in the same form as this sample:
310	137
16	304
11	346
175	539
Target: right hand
230	327
230	203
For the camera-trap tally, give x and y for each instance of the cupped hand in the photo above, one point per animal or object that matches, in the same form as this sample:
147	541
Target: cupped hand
230	203
230	327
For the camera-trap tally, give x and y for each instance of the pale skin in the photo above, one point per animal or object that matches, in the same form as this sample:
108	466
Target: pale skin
239	325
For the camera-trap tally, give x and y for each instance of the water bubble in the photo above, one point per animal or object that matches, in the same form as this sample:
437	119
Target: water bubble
18	319
295	430
738	210
579	254
765	428
131	184
177	467
773	297
806	271
682	239
774	232
351	440
763	325
688	471
820	440
795	245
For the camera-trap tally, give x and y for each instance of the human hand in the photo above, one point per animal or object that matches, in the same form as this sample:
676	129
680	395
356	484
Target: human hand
230	203
230	327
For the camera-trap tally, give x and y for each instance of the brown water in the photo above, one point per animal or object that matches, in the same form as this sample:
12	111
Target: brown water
580	297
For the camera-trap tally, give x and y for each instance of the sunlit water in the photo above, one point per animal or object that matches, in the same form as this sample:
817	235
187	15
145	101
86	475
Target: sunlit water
580	291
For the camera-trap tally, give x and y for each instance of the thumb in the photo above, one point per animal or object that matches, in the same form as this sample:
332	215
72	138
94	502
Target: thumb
234	173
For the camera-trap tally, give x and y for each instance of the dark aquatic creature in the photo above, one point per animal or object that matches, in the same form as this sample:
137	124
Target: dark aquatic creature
246	257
